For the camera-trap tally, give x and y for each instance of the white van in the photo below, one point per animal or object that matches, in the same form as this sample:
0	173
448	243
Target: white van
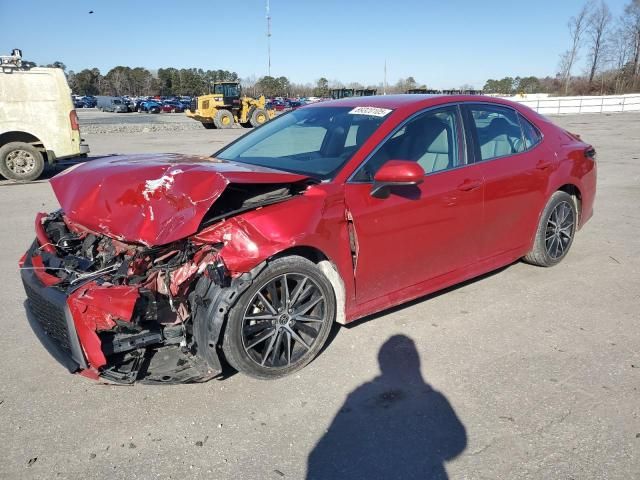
38	123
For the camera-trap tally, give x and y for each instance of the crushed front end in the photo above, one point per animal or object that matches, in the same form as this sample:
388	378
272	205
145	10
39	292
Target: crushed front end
121	312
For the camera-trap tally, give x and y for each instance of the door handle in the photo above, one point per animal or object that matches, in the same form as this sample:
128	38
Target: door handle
468	185
543	164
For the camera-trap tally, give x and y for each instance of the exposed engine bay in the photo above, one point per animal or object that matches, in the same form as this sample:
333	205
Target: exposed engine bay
135	299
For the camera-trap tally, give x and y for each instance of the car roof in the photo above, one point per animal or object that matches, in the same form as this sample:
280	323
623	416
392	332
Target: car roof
409	101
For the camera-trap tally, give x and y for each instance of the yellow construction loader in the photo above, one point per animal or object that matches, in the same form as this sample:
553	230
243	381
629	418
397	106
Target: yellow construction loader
226	106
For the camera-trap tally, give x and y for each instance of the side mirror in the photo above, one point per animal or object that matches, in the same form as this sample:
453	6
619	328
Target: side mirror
396	173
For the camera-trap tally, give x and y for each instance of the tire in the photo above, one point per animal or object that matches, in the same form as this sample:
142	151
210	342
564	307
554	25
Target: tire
259	117
223	119
276	342
209	126
21	161
555	232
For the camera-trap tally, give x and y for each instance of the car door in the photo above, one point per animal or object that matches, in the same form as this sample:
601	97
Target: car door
516	169
417	232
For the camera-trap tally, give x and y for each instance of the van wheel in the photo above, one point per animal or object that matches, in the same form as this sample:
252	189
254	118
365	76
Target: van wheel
20	161
555	232
281	322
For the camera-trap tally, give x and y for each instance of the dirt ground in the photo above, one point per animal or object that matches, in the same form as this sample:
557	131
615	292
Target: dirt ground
523	373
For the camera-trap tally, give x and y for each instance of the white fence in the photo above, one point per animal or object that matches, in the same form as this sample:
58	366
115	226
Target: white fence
599	104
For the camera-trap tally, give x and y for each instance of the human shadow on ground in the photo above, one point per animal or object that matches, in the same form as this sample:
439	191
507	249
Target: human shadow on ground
395	426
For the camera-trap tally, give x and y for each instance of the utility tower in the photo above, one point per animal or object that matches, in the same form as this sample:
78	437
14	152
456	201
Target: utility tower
268	39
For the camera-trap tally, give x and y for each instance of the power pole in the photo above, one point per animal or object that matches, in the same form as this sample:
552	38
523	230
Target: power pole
268	39
384	85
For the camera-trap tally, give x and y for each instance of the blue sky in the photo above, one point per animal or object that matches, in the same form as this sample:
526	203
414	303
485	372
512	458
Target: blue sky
443	43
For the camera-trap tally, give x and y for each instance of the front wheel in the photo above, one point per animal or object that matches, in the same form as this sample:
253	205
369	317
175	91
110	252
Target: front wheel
555	232
282	321
259	117
223	119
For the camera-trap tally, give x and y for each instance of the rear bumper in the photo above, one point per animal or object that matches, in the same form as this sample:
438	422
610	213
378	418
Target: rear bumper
51	320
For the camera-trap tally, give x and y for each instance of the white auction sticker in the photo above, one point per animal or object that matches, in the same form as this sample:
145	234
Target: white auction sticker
375	111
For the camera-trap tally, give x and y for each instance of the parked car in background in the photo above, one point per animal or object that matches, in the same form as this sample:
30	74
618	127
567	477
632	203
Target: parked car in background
38	123
185	102
371	202
84	102
149	106
111	104
172	106
277	105
90	101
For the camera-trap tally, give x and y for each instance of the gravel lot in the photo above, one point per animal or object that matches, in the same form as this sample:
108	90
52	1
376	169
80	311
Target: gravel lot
537	370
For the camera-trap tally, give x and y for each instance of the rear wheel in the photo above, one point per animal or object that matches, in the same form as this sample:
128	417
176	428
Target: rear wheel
282	321
555	232
20	161
259	117
223	119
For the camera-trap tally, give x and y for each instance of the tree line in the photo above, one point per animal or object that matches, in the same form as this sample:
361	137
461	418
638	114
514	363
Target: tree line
140	81
610	48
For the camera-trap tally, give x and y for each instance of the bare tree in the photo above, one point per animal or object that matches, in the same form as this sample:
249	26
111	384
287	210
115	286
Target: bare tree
577	26
597	30
631	26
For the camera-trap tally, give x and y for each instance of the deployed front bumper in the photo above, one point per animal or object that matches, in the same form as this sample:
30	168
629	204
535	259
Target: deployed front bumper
50	318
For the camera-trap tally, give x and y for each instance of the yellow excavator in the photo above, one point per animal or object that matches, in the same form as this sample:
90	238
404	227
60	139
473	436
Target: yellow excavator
226	106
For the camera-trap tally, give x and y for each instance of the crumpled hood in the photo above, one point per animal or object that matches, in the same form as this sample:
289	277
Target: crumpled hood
152	199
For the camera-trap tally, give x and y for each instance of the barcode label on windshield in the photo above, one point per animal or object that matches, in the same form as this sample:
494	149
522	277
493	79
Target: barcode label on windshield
375	111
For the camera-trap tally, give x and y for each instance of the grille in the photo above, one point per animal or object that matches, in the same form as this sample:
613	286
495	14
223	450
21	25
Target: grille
50	316
194	104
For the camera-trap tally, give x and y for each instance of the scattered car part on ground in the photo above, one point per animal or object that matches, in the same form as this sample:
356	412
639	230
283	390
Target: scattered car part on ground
160	268
38	125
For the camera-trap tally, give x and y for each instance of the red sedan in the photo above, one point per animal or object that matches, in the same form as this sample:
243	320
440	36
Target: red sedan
172	107
158	267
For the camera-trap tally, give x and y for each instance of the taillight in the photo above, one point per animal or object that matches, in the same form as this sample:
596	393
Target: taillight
73	118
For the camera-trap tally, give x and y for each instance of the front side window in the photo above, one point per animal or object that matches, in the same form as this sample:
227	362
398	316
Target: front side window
497	130
314	141
429	139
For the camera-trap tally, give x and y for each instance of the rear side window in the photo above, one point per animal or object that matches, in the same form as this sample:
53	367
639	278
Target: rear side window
497	130
531	134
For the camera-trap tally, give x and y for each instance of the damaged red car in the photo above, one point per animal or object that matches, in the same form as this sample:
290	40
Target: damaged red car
161	268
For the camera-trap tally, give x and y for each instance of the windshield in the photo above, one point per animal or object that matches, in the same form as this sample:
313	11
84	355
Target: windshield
312	141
